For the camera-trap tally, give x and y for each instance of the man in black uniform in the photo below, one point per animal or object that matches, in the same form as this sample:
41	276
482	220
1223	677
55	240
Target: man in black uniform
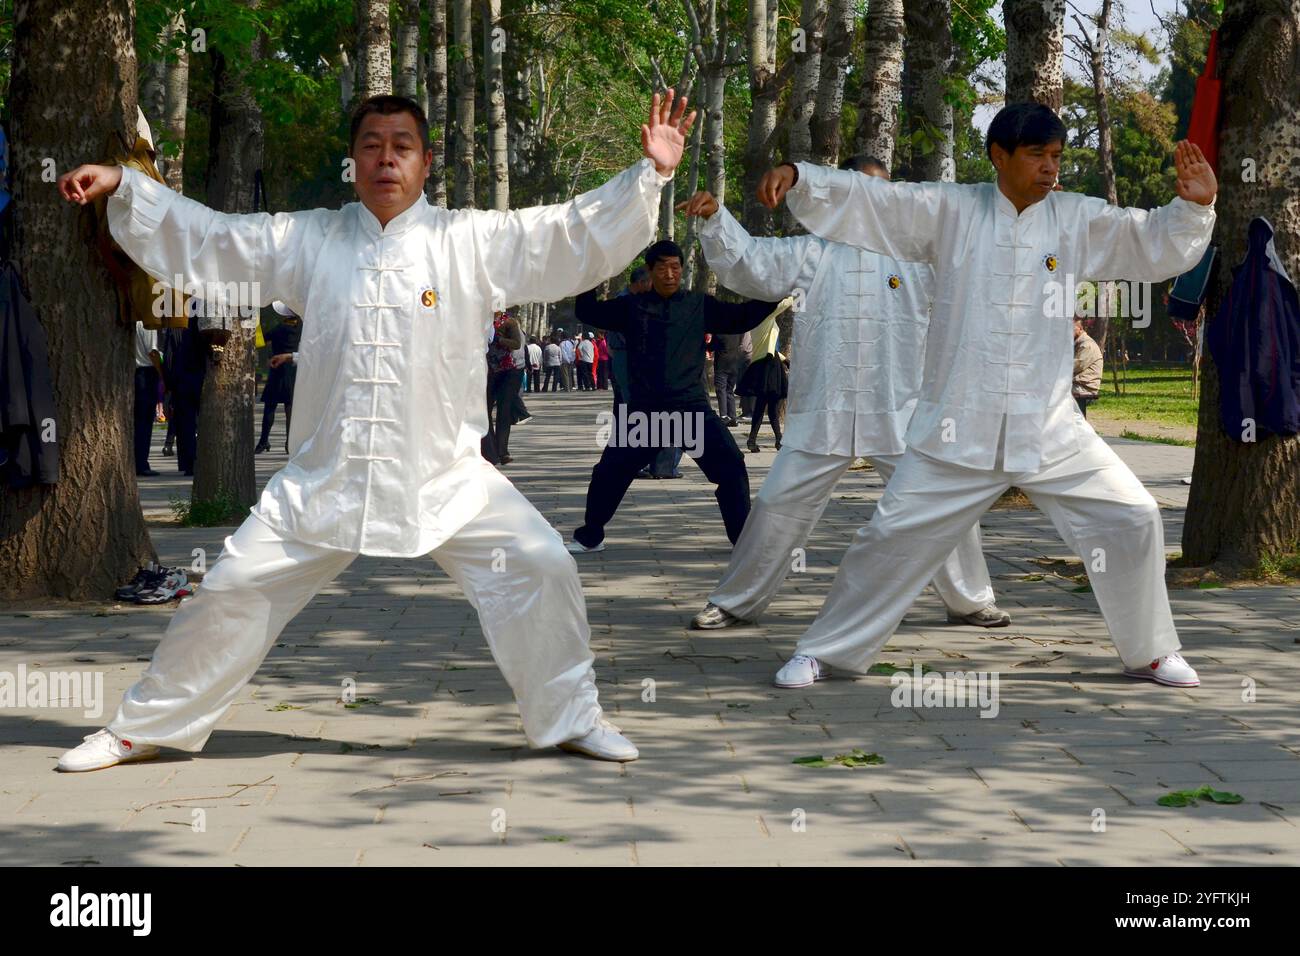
664	333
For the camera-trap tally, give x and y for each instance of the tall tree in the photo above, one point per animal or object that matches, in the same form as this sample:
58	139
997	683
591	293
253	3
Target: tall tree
803	93
223	466
177	104
1094	49
407	68
463	190
1244	504
764	91
494	40
1035	51
436	84
80	537
714	52
928	61
836	55
374	66
882	81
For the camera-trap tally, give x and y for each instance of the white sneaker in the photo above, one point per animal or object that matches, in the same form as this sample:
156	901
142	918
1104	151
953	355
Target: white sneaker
990	616
577	547
604	742
103	749
1170	669
801	671
713	617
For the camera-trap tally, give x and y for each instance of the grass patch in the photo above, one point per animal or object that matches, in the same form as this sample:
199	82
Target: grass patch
205	514
1160	439
1154	394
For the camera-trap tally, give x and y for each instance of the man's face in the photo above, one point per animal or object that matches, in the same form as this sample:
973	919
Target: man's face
641	285
666	275
391	167
1027	175
1078	328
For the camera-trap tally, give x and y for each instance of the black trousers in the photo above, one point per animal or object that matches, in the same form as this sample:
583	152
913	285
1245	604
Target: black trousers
554	378
720	460
185	410
505	389
770	404
1083	404
268	419
534	378
146	405
602	374
585	381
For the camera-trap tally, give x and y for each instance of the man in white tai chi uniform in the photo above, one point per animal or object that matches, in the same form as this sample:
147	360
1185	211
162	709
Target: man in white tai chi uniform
859	340
397	297
995	408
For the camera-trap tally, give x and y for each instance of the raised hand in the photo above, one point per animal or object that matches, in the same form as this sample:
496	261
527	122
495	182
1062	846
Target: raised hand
87	183
775	184
701	204
1196	179
664	137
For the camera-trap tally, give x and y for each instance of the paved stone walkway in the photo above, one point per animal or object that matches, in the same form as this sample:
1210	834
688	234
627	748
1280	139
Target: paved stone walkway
431	767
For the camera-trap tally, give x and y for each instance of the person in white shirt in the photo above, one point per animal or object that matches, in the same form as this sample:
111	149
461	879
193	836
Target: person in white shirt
859	340
569	349
586	356
148	371
554	365
995	407
534	354
397	298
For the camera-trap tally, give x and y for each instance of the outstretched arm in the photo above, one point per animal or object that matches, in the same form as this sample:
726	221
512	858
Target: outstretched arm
755	268
1154	245
168	235
611	314
900	220
552	252
729	318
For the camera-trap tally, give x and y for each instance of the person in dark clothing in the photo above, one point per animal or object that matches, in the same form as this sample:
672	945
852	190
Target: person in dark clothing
148	365
280	379
727	359
503	385
664	334
185	364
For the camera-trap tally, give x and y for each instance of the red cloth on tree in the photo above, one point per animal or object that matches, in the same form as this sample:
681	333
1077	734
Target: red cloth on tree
1203	129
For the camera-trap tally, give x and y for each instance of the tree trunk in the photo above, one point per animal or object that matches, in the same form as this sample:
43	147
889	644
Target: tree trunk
374	50
882	81
803	95
494	96
763	91
463	190
81	537
436	85
407	81
929	57
1096	48
830	85
1035	51
1245	496
223	466
178	93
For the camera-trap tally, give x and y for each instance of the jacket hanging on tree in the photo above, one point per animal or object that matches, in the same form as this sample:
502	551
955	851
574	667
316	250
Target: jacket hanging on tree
29	448
1255	341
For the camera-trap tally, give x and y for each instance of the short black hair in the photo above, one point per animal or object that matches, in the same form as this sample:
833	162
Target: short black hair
663	249
1024	124
639	274
864	163
387	105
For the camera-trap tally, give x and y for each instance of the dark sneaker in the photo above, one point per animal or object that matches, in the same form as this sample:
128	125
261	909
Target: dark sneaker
172	580
145	577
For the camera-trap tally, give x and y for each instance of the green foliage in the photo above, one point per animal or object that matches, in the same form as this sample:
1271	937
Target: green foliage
1188	798
206	513
853	759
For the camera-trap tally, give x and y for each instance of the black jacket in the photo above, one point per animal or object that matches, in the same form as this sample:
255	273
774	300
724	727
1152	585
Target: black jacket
665	339
26	391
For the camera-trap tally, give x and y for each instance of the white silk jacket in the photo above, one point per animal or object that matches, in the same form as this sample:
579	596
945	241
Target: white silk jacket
859	332
389	404
996	361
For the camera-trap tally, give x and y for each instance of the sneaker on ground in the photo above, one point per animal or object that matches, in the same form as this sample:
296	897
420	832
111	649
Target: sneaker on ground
991	616
146	576
103	749
171	581
714	617
1171	670
525	420
801	671
603	742
577	547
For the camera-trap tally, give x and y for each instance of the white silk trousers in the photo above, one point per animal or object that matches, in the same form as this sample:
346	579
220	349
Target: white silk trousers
1096	503
788	506
510	563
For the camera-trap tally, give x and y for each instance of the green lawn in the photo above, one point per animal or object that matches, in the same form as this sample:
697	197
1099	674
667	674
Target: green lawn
1150	394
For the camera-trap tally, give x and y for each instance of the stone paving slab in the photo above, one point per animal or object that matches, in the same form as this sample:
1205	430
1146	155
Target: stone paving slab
433	770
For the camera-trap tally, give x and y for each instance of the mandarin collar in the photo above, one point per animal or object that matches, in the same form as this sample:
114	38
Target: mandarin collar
1008	208
399	223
